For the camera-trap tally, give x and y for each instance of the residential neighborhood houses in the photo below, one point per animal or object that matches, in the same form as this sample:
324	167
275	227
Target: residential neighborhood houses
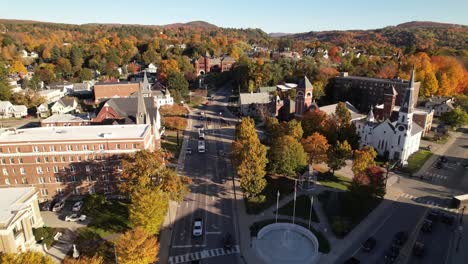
194	143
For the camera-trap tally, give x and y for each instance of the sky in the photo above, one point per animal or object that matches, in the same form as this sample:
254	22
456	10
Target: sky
289	16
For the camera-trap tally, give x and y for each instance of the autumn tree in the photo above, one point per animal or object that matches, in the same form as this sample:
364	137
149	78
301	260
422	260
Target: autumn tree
292	128
338	154
369	183
148	209
5	89
85	74
363	159
137	246
84	260
316	145
146	169
18	67
286	156
25	257
251	171
314	121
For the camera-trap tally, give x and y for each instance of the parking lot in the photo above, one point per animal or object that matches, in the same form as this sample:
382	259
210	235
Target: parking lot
57	219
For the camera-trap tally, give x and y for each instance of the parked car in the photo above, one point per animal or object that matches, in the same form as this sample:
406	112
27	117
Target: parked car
46	206
58	206
77	206
75	218
434	215
427	226
439	165
447	218
400	238
419	249
443	159
189	150
369	244
227	241
198	227
392	254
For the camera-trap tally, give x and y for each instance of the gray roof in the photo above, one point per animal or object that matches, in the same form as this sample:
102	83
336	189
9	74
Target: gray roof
67	101
305	83
81	87
416	129
254	98
267	89
67	118
10	202
127	107
330	109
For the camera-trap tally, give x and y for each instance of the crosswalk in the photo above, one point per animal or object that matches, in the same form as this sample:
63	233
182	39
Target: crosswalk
436	176
208	253
427	201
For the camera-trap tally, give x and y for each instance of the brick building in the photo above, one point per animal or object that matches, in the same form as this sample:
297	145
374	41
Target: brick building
364	92
107	90
206	64
63	160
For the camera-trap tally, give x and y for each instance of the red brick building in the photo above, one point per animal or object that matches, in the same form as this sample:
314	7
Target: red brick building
106	90
63	160
206	64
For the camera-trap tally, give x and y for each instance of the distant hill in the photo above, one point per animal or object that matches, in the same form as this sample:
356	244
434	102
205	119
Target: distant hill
279	34
427	24
192	24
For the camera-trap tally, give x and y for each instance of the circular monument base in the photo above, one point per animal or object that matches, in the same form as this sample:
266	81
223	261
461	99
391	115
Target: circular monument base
285	243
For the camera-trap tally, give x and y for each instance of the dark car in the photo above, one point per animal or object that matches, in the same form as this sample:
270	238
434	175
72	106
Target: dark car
352	260
433	215
443	159
228	241
392	254
439	165
400	238
447	219
419	249
427	226
46	206
369	244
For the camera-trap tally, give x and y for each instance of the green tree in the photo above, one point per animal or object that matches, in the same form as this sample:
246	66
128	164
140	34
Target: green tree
76	54
455	118
151	56
286	156
25	257
342	115
338	154
85	74
148	209
251	171
363	159
178	86
5	89
137	246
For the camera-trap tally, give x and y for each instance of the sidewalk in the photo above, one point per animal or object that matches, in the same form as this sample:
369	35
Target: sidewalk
165	238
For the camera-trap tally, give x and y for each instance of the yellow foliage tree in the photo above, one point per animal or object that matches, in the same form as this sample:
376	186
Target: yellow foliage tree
148	209
84	260
26	257
18	67
363	159
137	247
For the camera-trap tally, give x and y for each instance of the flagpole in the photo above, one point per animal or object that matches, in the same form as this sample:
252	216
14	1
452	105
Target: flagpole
277	202
294	209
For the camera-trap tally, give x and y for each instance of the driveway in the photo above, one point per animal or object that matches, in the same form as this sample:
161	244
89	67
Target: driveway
57	219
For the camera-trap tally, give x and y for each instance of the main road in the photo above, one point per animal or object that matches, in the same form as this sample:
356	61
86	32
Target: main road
211	196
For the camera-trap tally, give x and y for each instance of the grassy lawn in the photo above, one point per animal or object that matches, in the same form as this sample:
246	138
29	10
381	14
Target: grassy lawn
108	218
274	183
335	181
324	244
302	209
437	139
416	160
344	211
169	143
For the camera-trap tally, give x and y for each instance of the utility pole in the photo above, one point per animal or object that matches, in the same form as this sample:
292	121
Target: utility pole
277	203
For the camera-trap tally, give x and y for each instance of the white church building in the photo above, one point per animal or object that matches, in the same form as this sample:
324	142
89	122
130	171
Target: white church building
394	140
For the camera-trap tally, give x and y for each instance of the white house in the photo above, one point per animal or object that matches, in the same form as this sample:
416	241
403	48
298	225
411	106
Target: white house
395	140
43	110
8	110
64	105
440	105
151	68
52	96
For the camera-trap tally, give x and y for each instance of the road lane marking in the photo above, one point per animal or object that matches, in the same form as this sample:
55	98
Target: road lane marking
213	233
207	253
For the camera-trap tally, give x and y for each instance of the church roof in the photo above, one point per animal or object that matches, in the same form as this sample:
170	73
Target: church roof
416	129
305	83
391	90
127	107
407	104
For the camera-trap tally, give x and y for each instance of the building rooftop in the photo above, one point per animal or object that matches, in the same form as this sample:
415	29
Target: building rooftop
330	109
73	133
115	83
372	79
9	203
254	98
396	108
67	118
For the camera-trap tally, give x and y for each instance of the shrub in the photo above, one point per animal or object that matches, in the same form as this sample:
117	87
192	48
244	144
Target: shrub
44	235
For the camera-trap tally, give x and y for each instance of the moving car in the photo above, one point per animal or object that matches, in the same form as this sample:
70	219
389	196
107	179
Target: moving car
198	227
227	241
201	146
447	219
189	150
75	218
58	206
369	244
77	206
427	226
433	215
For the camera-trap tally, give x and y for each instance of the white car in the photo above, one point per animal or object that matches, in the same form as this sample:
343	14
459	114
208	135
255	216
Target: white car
75	218
58	206
198	227
77	206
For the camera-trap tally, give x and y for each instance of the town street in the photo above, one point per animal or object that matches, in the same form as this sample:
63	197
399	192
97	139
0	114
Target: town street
211	196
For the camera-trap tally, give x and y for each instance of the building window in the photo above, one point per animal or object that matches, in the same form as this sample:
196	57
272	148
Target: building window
12	161
18	230
5	171
72	168
101	146
59	191
56	169
18	149
69	148
88	169
35	149
46	159
22	171
39	170
41	180
24	180
38	160
58	179
44	192
70	158
62	158
85	147
125	146
52	148
7	181
79	158
117	146
86	157
134	146
20	160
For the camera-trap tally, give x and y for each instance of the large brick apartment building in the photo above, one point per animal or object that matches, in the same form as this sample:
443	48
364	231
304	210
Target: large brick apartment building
64	160
364	92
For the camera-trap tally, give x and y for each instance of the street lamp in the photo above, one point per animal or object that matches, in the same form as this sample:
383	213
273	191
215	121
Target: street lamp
277	202
311	208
